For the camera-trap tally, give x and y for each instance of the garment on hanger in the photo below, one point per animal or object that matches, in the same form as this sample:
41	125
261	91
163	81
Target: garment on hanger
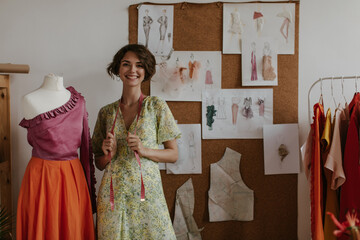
317	175
55	198
229	197
330	201
350	195
184	223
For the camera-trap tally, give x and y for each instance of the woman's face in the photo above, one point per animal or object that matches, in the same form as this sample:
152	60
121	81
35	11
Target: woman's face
131	70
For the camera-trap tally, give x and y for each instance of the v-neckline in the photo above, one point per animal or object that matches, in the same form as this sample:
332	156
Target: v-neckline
135	118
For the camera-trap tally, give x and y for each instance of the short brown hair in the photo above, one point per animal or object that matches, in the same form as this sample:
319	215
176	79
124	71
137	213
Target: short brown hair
145	56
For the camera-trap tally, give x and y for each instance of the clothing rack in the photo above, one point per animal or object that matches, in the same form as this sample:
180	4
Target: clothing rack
342	78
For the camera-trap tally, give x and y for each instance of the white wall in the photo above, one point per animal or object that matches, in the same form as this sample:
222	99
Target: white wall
329	46
79	38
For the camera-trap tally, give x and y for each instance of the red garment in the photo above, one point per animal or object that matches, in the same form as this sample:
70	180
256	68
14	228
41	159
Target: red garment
316	175
350	194
257	15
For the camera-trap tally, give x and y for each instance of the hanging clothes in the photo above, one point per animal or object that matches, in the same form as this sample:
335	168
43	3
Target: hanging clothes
350	195
316	175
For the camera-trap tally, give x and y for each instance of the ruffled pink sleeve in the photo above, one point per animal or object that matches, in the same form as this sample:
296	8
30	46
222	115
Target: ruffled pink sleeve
87	160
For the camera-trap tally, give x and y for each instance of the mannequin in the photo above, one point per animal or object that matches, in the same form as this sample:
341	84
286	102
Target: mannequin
50	95
57	194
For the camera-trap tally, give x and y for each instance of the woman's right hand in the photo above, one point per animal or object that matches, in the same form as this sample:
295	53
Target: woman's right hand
109	145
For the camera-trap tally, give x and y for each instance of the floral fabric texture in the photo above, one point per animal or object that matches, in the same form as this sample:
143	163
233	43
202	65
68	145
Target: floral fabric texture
132	218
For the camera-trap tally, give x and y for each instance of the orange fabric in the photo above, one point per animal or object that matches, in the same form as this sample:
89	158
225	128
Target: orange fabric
316	181
54	202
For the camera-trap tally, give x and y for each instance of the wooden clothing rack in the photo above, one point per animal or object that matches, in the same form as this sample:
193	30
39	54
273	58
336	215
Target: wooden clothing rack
5	140
320	80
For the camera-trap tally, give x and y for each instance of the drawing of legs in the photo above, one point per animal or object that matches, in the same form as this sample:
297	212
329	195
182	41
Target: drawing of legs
286	14
247	111
192	151
261	102
235	109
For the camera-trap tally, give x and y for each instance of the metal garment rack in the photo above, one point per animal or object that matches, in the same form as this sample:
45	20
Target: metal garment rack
342	78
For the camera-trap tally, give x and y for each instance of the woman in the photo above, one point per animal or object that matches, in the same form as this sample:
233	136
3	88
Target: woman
132	218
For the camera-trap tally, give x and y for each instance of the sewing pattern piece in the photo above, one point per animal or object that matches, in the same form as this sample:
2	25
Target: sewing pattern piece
229	197
184	223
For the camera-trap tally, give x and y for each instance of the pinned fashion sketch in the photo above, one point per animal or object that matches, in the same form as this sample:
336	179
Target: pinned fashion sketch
253	62
208	76
229	197
281	149
259	62
189	145
184	75
258	20
268	71
147	21
249	110
184	223
155	27
284	29
163	21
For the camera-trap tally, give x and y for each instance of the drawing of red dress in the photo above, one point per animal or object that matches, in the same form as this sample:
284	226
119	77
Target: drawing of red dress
253	67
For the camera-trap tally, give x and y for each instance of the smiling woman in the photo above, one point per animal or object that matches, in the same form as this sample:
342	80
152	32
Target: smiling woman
125	142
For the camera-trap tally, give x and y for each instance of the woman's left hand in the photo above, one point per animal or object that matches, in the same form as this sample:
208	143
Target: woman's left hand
135	144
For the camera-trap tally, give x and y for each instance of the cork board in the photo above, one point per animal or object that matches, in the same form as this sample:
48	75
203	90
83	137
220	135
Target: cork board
198	27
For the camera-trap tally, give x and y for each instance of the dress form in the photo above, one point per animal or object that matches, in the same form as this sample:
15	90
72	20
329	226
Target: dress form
51	94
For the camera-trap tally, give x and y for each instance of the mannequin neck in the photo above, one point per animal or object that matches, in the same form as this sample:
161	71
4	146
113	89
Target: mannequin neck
53	83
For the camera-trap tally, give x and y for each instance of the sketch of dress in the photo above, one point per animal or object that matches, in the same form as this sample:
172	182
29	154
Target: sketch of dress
286	14
236	26
192	150
268	71
176	80
261	103
208	76
147	21
259	21
253	62
221	114
163	21
247	111
194	68
235	109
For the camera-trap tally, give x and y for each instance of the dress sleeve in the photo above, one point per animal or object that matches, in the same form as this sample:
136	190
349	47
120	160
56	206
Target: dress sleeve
167	128
99	134
87	159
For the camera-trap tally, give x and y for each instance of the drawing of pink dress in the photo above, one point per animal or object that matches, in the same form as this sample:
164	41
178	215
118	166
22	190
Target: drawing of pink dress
253	67
208	78
194	69
261	107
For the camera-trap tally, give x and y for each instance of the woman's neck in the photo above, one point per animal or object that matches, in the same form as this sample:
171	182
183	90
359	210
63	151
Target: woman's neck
53	83
130	96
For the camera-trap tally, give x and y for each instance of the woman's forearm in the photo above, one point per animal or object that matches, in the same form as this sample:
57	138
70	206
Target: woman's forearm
161	155
101	162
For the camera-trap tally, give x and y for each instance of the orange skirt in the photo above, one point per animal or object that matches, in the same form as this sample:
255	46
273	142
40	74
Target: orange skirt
54	202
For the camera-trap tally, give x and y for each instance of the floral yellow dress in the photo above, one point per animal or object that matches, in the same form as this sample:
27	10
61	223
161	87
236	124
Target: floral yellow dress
131	218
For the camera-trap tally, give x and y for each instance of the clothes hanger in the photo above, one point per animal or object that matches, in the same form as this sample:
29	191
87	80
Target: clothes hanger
342	90
321	93
332	92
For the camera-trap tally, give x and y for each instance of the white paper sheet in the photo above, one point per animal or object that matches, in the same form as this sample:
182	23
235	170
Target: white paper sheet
189	146
155	28
186	74
258	20
239	113
259	62
275	136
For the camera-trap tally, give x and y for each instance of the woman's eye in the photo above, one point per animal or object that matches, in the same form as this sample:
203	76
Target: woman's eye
139	66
